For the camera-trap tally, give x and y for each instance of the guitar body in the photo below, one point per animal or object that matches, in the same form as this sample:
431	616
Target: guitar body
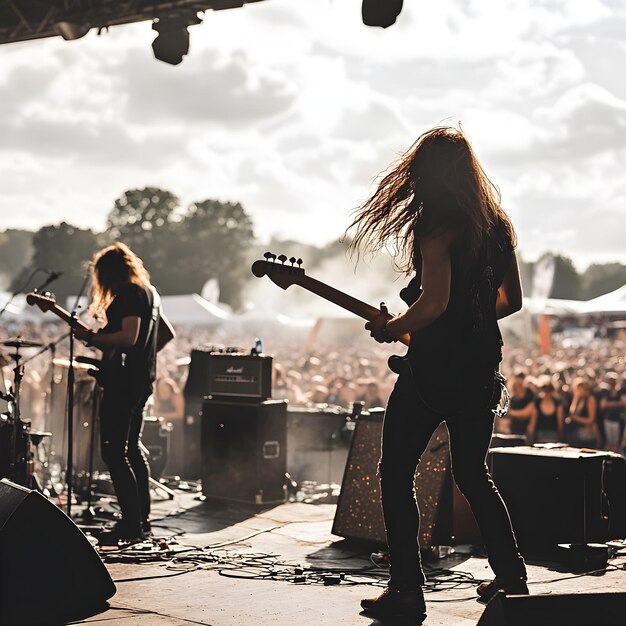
104	370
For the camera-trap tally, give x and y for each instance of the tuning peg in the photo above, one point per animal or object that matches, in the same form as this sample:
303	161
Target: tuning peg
299	262
269	256
292	260
282	258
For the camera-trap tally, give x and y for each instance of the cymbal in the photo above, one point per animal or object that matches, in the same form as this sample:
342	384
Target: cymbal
66	363
21	343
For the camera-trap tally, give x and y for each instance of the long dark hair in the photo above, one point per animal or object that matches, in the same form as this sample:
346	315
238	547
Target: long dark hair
437	185
111	268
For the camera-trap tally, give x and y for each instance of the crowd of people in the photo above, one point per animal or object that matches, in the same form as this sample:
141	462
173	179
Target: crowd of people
576	396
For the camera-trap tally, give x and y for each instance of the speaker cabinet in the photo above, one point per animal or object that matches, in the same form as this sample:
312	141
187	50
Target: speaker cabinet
191	464
49	573
318	441
359	512
562	609
559	495
244	456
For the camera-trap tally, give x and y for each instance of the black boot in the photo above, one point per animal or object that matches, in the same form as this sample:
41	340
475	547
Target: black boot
396	603
121	532
510	586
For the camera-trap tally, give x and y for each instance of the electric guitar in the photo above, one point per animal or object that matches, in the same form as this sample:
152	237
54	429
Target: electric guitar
286	274
102	369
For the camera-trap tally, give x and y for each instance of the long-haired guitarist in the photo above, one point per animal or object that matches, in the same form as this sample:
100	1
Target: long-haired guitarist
135	330
441	214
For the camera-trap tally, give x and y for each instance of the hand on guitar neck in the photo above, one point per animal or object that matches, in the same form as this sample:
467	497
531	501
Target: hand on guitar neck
46	302
284	275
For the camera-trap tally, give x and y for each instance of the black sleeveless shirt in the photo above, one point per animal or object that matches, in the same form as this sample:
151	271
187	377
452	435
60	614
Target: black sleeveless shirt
454	360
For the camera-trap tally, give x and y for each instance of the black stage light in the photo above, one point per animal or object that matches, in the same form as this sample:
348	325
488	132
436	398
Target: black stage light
172	42
381	13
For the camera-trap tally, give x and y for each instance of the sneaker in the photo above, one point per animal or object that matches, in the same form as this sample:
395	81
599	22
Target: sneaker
509	586
396	603
120	533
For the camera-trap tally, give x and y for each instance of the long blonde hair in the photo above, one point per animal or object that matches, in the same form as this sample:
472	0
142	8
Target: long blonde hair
438	184
112	267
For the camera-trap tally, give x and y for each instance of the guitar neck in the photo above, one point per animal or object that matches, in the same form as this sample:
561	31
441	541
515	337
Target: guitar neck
62	313
345	301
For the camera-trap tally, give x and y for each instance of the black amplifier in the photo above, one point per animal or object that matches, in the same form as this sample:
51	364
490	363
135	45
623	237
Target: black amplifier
242	377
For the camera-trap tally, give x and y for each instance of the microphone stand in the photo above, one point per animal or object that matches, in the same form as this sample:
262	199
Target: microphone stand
69	478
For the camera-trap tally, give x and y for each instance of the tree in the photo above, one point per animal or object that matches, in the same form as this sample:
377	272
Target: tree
567	281
214	240
600	279
145	219
16	251
61	248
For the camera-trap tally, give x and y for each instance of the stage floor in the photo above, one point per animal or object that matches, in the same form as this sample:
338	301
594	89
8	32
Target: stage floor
242	575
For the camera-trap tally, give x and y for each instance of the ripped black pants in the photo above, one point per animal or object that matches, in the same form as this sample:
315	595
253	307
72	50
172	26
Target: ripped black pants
407	428
121	420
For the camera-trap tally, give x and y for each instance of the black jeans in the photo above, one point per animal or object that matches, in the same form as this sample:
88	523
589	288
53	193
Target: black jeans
407	429
121	420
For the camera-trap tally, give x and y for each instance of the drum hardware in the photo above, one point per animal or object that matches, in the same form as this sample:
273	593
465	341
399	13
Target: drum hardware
16	443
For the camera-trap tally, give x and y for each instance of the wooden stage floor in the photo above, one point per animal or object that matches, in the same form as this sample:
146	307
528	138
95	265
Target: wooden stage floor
243	576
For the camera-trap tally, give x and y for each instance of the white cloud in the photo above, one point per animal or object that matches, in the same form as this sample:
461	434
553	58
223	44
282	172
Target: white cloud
293	108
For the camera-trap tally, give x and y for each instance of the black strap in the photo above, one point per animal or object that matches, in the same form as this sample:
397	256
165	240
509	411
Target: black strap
156	307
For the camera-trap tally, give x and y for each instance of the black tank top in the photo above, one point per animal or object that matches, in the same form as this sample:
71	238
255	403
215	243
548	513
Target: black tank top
454	360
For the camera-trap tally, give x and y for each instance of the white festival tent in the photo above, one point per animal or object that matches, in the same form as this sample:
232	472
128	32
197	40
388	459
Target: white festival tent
613	302
193	309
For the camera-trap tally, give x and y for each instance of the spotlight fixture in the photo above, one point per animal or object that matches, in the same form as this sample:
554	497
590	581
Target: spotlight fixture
381	13
172	42
70	30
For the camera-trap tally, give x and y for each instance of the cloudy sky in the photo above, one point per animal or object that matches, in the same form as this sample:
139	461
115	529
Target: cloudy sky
293	107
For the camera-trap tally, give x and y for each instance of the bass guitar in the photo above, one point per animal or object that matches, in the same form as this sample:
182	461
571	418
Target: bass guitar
102	369
286	272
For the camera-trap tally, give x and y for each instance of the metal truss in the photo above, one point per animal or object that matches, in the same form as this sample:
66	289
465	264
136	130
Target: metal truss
21	20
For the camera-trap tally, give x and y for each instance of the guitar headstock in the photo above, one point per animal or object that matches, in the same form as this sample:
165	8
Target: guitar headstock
280	270
45	301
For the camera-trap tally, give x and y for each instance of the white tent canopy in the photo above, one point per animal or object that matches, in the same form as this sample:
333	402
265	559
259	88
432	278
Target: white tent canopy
192	309
612	302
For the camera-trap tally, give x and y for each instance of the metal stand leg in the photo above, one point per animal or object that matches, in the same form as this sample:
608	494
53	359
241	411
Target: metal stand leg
155	484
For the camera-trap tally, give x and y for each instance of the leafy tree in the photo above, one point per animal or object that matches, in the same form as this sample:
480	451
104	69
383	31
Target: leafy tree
145	219
16	251
214	240
567	281
60	248
600	279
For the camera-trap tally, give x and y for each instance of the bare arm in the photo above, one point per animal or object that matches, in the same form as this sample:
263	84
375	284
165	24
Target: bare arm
124	338
436	277
592	407
560	417
165	332
510	292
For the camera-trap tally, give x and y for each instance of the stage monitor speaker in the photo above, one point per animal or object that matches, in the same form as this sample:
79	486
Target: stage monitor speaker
244	456
359	513
556	609
557	496
49	572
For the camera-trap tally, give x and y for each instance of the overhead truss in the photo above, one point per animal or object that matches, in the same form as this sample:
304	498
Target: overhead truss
21	20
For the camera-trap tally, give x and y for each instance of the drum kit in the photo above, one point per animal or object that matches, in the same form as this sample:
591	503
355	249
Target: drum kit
30	457
18	441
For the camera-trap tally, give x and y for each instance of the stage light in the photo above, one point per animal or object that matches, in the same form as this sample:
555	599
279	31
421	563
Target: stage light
70	30
172	42
381	13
